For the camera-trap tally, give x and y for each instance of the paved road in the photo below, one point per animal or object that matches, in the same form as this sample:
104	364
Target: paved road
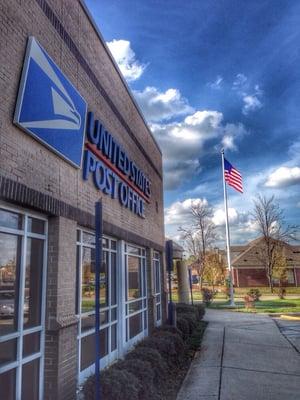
291	330
243	357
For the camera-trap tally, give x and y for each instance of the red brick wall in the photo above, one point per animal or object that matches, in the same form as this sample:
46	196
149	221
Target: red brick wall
252	277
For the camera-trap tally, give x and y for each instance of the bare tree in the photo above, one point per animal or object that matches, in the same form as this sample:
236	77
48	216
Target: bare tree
199	236
275	232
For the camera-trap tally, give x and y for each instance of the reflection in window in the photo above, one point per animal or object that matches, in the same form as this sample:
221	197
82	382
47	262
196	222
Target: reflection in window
10	246
10	219
88	280
134	290
8	351
33	283
8	384
88	350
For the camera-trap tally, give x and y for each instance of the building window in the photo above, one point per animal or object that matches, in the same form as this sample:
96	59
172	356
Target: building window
22	293
85	302
157	286
290	276
135	292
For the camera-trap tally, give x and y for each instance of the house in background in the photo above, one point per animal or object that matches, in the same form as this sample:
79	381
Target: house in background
248	269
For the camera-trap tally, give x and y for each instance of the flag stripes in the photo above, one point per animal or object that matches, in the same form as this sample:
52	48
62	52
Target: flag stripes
232	176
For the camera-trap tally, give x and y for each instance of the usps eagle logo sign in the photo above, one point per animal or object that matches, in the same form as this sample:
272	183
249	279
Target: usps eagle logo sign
49	107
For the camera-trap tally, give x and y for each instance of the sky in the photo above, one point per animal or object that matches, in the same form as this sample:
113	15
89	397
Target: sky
209	75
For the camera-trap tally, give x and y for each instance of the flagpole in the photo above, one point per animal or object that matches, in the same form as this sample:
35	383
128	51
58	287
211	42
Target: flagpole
227	234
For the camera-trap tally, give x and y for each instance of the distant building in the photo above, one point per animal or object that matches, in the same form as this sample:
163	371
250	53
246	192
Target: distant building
248	269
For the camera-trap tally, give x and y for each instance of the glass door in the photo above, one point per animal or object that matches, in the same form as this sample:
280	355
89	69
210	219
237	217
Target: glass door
22	304
157	287
135	294
85	305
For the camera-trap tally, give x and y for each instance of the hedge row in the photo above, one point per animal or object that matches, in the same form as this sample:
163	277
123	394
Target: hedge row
148	371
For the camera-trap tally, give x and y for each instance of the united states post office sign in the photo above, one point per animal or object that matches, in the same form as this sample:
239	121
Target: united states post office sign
49	107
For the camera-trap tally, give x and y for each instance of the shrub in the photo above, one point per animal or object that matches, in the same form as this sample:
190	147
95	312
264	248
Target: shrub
164	346
200	311
194	340
152	356
144	372
173	337
182	308
281	293
207	296
115	385
254	293
249	301
184	326
168	328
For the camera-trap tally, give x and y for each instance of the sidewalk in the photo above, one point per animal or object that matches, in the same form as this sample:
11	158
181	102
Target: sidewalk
243	357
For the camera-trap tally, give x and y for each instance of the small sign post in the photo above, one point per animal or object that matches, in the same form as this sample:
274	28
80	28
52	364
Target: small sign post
98	262
191	285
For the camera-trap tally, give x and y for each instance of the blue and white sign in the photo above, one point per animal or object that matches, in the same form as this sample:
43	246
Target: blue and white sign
49	107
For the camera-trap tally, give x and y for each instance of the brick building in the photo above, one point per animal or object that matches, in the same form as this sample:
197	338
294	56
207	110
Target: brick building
70	133
248	270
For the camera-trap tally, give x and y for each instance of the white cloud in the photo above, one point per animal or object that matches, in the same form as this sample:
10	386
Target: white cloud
219	216
159	106
183	143
283	176
250	95
240	84
125	58
228	142
251	103
179	213
217	83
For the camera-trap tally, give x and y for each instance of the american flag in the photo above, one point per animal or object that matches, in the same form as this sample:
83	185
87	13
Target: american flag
233	176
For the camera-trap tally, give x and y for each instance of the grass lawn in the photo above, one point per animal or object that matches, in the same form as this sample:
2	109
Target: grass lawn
263	306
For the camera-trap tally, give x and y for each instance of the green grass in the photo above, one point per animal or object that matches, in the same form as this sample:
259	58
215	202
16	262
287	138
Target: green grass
263	306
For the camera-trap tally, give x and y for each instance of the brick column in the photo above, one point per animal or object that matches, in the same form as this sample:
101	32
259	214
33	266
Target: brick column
61	322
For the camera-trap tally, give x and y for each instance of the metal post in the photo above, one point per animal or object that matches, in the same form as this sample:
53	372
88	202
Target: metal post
169	262
98	263
191	285
227	235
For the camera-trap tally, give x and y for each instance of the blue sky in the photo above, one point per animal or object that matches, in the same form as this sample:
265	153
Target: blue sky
212	74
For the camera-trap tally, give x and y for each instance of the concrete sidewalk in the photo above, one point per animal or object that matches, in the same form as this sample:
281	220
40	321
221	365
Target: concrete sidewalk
243	357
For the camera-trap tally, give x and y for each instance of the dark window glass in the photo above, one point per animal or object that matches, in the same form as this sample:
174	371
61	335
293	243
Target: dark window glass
88	348
88	321
113	245
113	337
134	278
158	316
105	243
133	250
145	320
10	247
30	380
8	352
8	385
10	219
135	325
135	306
33	282
36	225
31	344
88	280
88	238
113	314
78	236
113	278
